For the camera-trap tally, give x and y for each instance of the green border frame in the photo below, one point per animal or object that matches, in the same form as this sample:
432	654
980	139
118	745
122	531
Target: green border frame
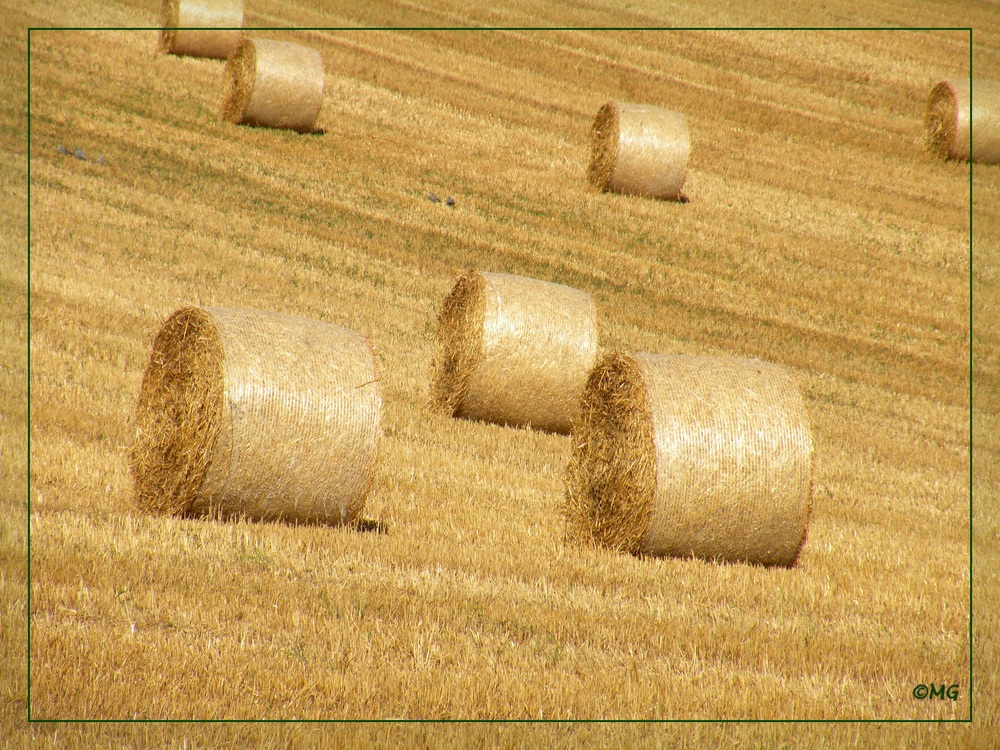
505	721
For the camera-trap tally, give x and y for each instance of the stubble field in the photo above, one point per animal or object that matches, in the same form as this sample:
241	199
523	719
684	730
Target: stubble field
819	235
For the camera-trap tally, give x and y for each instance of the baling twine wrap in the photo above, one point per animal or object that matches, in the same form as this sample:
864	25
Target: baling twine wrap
513	350
956	107
274	84
256	414
201	28
639	149
678	455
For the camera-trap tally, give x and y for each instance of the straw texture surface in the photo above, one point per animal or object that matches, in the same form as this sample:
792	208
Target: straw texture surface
513	350
256	414
955	107
274	84
639	149
691	456
201	28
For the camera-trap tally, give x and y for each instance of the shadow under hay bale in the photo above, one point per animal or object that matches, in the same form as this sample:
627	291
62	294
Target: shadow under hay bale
513	350
274	84
639	149
371	526
261	415
677	455
201	28
955	107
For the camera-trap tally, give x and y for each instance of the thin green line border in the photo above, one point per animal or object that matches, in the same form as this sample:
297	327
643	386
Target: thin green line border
968	720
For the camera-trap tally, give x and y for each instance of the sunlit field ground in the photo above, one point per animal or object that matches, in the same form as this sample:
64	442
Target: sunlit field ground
820	235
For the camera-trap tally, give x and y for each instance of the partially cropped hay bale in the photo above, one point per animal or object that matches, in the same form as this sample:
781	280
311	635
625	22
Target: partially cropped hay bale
201	28
953	108
691	456
639	149
259	414
274	84
513	350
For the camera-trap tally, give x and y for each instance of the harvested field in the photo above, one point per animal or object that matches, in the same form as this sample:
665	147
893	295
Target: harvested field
821	235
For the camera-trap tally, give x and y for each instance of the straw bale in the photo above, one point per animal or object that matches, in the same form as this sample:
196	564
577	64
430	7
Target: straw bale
956	106
513	350
256	414
274	84
639	149
201	28
678	455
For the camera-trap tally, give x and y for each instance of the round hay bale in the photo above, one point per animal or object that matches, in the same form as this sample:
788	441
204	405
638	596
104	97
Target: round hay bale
201	28
956	106
513	350
691	456
273	84
639	149
256	414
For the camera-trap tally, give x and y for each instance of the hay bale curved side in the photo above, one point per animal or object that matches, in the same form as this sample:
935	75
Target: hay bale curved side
513	350
639	149
292	432
201	28
273	84
954	107
677	455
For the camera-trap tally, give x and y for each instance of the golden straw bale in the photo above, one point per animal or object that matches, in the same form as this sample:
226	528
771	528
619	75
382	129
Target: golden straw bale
685	455
201	28
955	106
513	350
256	414
274	84
639	149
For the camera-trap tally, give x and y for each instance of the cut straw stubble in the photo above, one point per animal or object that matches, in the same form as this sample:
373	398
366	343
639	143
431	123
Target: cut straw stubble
677	455
256	414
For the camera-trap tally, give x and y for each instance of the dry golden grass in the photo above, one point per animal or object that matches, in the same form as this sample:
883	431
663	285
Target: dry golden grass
820	235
